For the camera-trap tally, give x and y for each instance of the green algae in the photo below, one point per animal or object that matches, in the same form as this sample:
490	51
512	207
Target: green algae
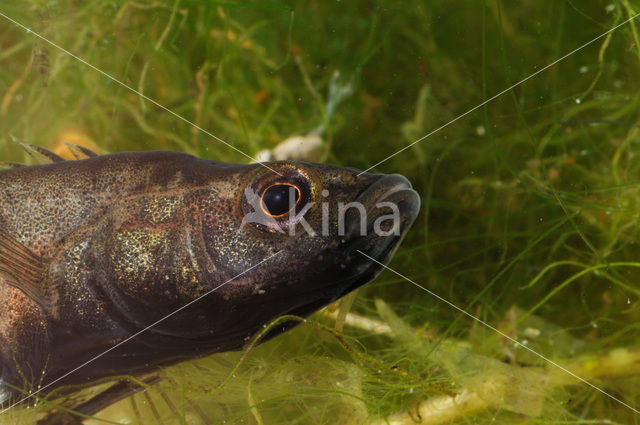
530	202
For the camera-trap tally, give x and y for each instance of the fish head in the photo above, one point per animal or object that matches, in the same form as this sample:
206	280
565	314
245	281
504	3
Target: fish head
292	237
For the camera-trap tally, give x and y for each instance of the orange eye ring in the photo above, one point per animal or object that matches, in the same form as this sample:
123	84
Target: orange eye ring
262	202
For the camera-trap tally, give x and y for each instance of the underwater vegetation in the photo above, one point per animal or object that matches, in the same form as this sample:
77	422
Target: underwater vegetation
529	186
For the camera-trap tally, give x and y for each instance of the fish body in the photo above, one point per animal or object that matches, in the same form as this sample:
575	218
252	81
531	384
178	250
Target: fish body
94	251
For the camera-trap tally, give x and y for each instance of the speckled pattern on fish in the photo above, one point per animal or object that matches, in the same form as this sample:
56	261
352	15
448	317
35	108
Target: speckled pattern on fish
94	250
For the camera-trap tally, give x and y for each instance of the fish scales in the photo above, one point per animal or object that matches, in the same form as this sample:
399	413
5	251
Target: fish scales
95	250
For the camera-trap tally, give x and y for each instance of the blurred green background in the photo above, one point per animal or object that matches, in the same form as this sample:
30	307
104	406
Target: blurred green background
530	203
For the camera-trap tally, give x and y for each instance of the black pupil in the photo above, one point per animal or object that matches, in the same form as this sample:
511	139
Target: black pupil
280	198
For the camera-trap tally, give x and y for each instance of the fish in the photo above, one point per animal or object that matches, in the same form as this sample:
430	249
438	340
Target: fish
191	256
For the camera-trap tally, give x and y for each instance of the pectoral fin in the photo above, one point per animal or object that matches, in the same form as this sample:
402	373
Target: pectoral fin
21	268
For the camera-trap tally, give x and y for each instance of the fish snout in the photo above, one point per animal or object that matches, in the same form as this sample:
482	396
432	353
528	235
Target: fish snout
386	208
374	226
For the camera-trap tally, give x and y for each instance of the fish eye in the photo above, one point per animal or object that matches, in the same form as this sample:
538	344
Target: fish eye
279	198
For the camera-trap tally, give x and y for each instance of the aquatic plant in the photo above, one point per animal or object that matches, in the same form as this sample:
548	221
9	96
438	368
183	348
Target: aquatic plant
530	201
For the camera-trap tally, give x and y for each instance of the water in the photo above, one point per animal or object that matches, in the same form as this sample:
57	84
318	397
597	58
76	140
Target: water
516	217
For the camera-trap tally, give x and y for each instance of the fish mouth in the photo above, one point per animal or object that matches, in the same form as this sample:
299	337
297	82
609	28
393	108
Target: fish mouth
386	191
368	251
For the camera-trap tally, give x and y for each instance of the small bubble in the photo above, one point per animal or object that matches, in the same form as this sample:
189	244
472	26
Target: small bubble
610	8
578	101
480	130
584	69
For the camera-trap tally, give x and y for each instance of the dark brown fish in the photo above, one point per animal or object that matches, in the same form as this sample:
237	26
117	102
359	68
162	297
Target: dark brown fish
95	250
